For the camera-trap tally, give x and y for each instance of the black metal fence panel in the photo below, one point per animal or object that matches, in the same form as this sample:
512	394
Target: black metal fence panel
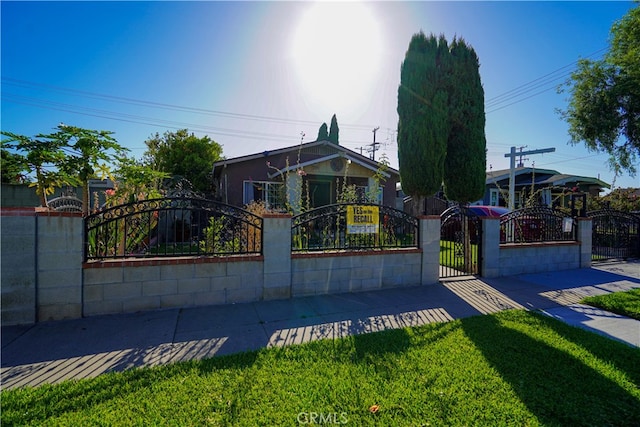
66	204
460	242
173	226
536	224
615	235
354	227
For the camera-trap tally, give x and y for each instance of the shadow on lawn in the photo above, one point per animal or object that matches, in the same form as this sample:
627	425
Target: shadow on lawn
72	396
625	358
554	385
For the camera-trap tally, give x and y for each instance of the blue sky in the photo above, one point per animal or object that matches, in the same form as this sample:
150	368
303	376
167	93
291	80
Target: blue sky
254	75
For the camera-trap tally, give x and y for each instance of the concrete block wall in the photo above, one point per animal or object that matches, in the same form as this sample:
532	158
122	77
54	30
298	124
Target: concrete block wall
490	265
538	257
41	265
429	235
276	247
43	277
326	273
59	254
523	258
18	195
585	236
18	266
128	286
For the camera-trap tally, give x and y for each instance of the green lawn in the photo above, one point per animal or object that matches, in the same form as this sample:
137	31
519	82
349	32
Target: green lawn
624	303
511	368
449	258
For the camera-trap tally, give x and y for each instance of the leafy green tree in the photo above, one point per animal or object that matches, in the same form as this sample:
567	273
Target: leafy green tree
604	98
423	125
183	154
13	167
465	162
334	130
136	181
621	199
69	156
90	154
43	158
323	134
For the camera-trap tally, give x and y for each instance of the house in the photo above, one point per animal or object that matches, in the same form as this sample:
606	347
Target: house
546	186
305	175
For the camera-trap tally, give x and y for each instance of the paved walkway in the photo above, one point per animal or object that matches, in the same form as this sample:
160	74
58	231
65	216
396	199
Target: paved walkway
55	351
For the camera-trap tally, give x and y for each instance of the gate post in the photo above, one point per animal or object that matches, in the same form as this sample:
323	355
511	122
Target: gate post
59	256
490	256
276	249
430	245
585	238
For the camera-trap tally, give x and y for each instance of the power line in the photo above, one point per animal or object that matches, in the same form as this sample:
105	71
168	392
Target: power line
130	118
532	85
492	104
159	105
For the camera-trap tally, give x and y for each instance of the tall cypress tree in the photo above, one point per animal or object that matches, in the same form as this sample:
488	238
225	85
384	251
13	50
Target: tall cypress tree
334	130
465	164
323	135
423	117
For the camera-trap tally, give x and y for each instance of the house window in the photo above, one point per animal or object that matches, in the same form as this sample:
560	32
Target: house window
363	193
494	197
271	193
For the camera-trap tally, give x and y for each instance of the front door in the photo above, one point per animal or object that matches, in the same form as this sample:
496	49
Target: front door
319	193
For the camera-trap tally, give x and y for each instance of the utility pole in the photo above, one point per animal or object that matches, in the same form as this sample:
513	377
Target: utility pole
520	162
375	145
512	169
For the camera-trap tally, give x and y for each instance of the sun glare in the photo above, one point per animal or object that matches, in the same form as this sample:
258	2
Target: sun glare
337	52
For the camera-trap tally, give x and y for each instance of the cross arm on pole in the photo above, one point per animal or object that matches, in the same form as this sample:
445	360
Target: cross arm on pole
526	153
512	169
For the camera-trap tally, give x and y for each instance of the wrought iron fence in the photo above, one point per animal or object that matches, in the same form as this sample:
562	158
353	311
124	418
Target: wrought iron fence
353	227
536	224
66	204
615	235
460	242
172	226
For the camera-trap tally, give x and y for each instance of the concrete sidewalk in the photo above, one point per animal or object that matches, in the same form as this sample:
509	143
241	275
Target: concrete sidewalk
55	351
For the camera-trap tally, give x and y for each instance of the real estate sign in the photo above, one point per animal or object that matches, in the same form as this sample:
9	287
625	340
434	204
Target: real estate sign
362	219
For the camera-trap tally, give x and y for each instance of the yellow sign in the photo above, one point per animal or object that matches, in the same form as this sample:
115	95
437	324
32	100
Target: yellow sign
362	219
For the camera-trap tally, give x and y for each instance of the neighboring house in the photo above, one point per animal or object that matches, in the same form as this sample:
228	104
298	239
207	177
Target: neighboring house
313	171
550	187
24	195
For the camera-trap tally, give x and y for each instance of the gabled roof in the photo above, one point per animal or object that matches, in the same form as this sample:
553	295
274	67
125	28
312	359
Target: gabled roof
502	174
562	179
544	177
338	151
327	158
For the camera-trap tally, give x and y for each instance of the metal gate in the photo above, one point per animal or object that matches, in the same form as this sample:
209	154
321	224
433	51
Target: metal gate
616	235
460	242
